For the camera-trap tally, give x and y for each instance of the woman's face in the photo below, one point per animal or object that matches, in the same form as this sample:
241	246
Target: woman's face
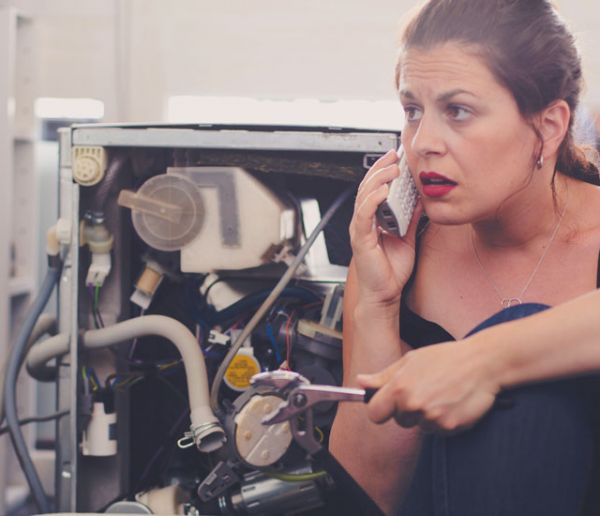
468	147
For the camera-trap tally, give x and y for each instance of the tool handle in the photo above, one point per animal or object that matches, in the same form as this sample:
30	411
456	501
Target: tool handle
369	393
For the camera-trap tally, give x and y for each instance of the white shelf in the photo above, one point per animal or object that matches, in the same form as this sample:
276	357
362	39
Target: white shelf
23	138
18	216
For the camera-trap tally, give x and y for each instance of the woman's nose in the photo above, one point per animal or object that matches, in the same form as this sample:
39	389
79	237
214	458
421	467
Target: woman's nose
428	138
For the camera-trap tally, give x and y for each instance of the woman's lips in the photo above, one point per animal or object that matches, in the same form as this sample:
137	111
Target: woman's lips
436	185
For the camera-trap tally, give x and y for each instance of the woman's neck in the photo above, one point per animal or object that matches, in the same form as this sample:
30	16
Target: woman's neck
531	215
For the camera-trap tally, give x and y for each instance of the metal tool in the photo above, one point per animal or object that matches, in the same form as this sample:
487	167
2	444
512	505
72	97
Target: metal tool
299	399
300	396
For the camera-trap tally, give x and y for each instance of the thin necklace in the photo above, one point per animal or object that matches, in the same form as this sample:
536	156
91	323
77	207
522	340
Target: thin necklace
511	301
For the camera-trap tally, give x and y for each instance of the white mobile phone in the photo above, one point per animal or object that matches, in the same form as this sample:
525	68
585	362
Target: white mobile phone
395	213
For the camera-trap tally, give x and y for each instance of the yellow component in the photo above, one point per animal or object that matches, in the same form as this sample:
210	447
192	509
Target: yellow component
149	280
243	367
89	165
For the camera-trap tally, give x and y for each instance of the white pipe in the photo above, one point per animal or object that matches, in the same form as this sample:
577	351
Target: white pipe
205	428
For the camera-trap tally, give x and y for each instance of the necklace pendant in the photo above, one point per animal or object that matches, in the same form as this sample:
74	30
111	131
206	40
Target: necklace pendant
511	301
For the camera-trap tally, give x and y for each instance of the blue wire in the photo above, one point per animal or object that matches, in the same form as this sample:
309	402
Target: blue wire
255	299
269	332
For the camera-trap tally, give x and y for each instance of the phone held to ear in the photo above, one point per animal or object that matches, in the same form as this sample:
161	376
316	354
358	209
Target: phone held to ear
394	214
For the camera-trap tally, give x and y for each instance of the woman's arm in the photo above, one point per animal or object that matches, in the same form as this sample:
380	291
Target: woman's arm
450	386
380	458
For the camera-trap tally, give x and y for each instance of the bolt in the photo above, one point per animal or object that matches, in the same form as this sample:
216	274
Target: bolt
299	400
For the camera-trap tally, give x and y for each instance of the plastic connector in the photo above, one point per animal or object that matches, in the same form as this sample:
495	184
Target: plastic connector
215	337
96	236
222	477
99	269
64	231
52	242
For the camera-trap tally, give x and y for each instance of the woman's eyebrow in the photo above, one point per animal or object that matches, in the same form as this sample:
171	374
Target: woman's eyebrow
443	97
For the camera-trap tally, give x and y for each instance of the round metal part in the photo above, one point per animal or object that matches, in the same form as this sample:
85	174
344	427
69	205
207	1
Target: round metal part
299	400
257	444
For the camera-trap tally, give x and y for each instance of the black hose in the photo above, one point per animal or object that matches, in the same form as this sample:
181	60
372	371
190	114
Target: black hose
13	365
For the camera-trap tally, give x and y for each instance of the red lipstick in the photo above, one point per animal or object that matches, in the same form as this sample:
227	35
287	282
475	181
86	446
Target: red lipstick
436	185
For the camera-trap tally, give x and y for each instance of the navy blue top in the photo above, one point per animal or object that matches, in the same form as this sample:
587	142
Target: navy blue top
419	332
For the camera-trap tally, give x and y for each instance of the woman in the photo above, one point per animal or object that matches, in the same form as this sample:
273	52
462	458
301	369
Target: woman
488	89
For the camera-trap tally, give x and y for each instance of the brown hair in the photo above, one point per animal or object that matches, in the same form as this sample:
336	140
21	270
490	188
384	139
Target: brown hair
527	47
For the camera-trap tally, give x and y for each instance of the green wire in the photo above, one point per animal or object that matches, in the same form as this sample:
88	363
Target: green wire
96	297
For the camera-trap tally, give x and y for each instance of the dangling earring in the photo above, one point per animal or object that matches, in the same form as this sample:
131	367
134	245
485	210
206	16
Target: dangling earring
540	161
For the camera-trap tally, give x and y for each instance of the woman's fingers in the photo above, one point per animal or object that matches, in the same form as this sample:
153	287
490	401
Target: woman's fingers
408	419
429	388
379	177
364	212
389	401
389	158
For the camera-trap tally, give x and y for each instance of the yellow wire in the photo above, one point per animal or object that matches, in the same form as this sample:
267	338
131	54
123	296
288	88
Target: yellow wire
320	433
94	384
168	365
289	477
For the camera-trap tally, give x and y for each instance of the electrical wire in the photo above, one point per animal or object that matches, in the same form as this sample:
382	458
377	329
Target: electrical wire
135	341
320	434
14	362
205	426
288	340
273	341
46	324
96	305
249	302
291	477
208	316
36	419
268	302
86	382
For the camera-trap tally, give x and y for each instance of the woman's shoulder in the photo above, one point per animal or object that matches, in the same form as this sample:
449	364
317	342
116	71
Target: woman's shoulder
585	202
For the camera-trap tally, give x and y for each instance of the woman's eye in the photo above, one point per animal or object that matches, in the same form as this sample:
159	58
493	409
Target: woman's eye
412	113
458	113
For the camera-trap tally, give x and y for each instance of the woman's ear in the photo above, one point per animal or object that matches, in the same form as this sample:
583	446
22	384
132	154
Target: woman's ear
553	124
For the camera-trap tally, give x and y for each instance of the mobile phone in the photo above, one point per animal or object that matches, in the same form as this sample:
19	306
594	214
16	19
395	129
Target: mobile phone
395	213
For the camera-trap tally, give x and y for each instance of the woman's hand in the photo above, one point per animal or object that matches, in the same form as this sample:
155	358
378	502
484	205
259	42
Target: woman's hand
442	388
383	262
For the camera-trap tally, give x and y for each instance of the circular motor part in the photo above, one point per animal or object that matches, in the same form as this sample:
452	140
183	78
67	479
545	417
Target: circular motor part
177	214
257	444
